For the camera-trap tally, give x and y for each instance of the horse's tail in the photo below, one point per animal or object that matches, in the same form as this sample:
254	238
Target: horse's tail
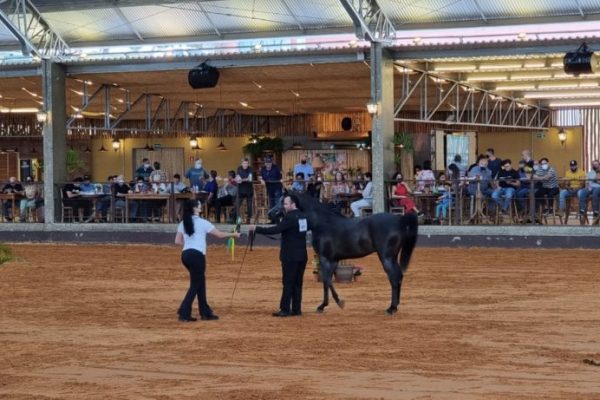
409	225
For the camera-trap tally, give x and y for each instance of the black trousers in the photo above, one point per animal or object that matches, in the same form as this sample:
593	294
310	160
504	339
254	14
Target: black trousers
291	296
248	197
195	262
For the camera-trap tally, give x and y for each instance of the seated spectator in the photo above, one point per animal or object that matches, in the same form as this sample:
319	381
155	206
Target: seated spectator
548	188
87	187
103	203
177	187
121	189
575	182
33	199
157	172
226	196
441	183
212	188
443	204
314	188
299	184
11	187
592	188
425	179
401	195
508	183
367	197
72	198
522	193
480	178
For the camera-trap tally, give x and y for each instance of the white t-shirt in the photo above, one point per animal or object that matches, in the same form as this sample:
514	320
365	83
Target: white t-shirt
198	240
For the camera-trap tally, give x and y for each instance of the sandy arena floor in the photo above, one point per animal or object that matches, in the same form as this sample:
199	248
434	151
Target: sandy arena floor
98	322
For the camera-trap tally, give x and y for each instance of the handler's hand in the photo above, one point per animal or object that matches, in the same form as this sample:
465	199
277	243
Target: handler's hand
236	235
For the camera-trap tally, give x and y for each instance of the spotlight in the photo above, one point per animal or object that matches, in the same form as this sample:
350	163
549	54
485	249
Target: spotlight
578	62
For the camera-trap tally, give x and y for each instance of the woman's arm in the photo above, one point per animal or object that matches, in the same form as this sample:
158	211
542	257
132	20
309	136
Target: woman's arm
223	235
179	238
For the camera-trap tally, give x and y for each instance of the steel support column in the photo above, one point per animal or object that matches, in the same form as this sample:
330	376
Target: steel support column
382	93
55	166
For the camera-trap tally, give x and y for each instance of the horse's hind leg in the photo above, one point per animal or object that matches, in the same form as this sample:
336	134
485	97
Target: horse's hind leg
340	302
326	274
395	275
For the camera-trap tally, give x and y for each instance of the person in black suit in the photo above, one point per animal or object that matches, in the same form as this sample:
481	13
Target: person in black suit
293	256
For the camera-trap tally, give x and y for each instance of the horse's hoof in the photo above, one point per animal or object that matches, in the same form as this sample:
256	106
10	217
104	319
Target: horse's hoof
391	311
320	309
341	303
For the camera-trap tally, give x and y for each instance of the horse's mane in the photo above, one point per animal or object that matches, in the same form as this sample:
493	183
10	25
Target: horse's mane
309	203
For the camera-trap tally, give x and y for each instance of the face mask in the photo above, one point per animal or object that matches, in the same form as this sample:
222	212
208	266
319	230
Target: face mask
303	161
198	164
545	167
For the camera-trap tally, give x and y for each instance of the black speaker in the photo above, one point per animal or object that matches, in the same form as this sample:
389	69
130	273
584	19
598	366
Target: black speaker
203	76
578	62
346	123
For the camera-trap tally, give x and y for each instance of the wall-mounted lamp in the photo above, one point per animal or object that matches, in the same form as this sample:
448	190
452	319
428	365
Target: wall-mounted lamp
372	107
194	142
116	144
562	136
41	116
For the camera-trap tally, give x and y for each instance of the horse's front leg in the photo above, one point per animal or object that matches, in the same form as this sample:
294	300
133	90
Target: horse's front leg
394	273
326	274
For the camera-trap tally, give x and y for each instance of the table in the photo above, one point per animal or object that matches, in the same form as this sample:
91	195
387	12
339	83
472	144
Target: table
145	196
13	197
426	203
346	199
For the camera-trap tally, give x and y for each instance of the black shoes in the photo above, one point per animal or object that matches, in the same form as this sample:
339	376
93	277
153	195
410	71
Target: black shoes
287	314
187	319
210	318
281	314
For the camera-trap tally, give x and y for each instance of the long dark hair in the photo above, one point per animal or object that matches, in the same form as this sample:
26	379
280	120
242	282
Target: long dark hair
188	213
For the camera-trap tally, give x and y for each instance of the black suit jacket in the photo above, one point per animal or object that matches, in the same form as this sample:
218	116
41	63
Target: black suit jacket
293	230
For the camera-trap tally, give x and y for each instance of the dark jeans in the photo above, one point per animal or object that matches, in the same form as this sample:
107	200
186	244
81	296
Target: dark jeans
248	197
274	193
223	202
77	204
542	194
195	263
293	275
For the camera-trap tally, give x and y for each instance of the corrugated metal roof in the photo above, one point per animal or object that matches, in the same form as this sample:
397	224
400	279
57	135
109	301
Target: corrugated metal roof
537	8
184	19
249	16
89	25
426	11
320	13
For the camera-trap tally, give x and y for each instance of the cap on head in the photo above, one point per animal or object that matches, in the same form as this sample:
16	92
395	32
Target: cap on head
573	163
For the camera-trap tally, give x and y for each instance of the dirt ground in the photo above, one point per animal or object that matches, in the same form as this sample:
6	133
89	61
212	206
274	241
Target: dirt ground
99	321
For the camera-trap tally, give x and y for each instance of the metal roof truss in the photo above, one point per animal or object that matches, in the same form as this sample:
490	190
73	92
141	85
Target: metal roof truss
32	31
446	101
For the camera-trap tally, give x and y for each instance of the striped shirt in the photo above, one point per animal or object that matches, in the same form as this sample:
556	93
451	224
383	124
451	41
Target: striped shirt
547	177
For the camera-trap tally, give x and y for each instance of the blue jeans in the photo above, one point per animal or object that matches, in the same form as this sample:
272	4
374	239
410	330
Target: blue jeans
563	196
522	195
503	197
583	195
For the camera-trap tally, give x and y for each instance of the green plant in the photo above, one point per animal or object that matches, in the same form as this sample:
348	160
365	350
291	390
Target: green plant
403	140
261	144
6	254
73	161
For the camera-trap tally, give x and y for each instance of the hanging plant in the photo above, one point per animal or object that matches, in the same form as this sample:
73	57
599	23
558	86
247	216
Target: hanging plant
403	140
259	145
74	163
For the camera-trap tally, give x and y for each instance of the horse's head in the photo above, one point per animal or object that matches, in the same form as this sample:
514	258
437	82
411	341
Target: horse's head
275	214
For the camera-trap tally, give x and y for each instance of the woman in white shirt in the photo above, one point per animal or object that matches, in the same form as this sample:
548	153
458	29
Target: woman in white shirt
191	233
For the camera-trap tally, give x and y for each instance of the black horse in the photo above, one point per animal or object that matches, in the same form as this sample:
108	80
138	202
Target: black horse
335	238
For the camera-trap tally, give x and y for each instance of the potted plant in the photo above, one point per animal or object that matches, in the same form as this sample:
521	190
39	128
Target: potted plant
263	144
403	156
